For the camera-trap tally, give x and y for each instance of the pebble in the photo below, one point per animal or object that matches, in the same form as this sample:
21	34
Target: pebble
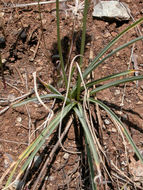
44	21
139	103
11	97
19	119
66	156
1	14
117	54
122	169
123	163
51	178
117	92
113	130
140	97
3	61
124	117
111	10
114	34
6	163
107	34
127	100
128	1
8	160
107	122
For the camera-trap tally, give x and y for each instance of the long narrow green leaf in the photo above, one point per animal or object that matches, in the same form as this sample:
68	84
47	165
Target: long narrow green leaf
28	100
39	141
52	89
86	4
91	168
88	70
122	127
80	114
92	66
59	43
114	83
91	84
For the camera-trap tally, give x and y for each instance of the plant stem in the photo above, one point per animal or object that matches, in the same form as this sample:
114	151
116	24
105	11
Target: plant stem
86	4
59	43
2	71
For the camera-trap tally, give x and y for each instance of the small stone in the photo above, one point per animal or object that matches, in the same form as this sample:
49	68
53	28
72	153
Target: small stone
107	122
122	104
7	160
44	21
128	1
117	54
51	178
39	69
111	10
123	163
140	97
19	119
117	92
127	100
107	34
66	156
119	112
3	61
11	97
139	103
1	14
114	34
113	130
124	117
6	163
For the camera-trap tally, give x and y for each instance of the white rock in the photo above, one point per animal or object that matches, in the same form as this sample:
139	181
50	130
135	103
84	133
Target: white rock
113	130
107	122
66	156
117	92
111	10
19	119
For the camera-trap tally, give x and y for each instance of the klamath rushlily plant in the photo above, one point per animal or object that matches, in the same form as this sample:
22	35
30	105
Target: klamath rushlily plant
78	99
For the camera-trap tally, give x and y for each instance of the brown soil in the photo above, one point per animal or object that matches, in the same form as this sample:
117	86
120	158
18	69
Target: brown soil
23	55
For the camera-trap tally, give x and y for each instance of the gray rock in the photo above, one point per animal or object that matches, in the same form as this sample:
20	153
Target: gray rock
111	10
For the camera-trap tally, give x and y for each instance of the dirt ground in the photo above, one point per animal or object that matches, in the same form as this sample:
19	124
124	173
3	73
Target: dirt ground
29	47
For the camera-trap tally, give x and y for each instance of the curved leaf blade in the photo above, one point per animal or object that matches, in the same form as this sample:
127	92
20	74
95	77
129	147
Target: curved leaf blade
80	114
114	83
122	127
91	84
92	66
28	100
34	147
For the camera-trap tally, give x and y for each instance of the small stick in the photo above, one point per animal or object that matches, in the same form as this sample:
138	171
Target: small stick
19	73
30	4
9	141
36	49
2	72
